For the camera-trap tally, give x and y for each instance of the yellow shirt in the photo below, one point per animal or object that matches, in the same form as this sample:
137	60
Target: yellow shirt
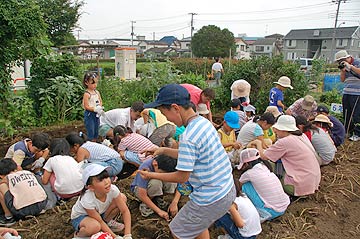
157	118
227	138
270	134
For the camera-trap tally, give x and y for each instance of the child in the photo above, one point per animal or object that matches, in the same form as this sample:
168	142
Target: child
227	134
131	145
201	160
249	111
94	153
298	171
202	110
31	153
254	129
62	170
21	194
269	133
262	186
150	192
92	104
236	107
99	204
5	232
276	96
242	220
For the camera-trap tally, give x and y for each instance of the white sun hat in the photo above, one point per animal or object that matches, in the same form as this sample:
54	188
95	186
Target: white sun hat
286	123
285	82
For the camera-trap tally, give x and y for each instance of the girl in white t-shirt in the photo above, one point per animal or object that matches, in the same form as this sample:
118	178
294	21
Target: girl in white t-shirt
62	171
242	220
100	202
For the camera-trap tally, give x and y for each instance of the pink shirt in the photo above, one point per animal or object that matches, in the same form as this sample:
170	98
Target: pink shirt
299	161
195	93
136	143
268	186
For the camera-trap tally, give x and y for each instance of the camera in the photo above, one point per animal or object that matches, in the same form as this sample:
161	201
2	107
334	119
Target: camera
341	65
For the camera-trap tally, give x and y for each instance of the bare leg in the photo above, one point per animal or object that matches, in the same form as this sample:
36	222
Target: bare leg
3	189
88	227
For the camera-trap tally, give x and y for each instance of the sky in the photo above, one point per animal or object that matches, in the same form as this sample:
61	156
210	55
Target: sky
105	19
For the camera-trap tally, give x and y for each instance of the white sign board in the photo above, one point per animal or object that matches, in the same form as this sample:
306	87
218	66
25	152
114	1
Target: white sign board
336	108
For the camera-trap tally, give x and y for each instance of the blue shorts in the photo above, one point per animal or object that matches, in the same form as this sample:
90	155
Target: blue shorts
76	221
132	157
91	124
114	165
264	212
228	224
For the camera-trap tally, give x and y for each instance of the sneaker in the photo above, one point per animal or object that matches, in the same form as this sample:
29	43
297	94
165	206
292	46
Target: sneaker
6	222
115	226
161	203
145	210
354	138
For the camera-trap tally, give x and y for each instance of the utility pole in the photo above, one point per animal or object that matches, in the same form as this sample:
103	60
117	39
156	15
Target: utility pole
191	30
132	32
333	43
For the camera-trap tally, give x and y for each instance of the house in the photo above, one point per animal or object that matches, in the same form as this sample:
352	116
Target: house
185	43
316	43
263	47
171	41
156	52
146	45
241	49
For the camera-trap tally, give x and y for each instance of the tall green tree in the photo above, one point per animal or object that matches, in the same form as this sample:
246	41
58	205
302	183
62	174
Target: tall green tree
211	41
22	36
61	17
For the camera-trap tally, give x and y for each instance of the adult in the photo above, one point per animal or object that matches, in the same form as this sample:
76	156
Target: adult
125	117
202	161
198	96
217	70
337	130
298	170
304	106
240	89
350	75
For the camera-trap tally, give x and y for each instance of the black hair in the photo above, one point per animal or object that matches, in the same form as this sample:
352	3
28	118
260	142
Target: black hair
302	120
267	116
217	59
193	106
59	146
76	138
208	92
101	176
235	103
7	165
137	106
322	125
238	187
166	163
89	78
119	130
40	140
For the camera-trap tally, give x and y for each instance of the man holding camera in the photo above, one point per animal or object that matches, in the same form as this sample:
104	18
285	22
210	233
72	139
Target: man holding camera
350	75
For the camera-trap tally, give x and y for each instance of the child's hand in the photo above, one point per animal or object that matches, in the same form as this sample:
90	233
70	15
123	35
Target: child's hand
144	173
173	209
237	145
164	215
153	151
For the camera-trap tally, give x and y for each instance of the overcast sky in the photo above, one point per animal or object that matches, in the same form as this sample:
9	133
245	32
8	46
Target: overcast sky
112	18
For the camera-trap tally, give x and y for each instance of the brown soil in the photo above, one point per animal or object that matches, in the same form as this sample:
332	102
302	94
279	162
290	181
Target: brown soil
332	212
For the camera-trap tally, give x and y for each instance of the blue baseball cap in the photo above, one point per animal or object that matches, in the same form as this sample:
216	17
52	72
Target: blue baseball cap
232	119
171	94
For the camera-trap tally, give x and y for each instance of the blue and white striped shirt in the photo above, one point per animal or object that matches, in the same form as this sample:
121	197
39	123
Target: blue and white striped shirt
99	152
202	154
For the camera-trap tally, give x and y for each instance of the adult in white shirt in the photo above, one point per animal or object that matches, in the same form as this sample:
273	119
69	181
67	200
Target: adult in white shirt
217	70
125	117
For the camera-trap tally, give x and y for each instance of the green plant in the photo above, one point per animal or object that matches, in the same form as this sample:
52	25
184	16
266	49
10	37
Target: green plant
21	112
61	100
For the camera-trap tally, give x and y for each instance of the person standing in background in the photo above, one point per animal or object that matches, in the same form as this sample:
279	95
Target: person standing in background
217	71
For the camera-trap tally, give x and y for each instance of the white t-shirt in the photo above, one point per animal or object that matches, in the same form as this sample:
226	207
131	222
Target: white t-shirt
268	186
67	172
89	201
249	132
117	117
250	216
217	66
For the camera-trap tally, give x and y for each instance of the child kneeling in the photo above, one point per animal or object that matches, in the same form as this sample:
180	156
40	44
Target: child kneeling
20	193
99	204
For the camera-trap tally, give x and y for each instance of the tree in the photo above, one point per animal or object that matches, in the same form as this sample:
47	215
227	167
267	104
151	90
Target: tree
22	36
61	17
211	41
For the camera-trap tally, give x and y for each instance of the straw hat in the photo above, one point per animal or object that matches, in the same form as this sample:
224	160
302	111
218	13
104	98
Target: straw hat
240	88
273	110
323	119
284	81
202	109
307	102
286	123
340	55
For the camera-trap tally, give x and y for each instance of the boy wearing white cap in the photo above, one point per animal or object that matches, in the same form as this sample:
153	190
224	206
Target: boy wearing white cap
276	96
350	75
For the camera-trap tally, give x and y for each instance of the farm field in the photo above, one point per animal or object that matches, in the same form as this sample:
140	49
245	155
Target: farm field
332	212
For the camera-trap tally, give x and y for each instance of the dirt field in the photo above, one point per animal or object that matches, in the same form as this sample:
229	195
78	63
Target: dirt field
332	212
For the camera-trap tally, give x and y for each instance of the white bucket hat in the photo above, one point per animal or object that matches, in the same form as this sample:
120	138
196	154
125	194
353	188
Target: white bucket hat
202	109
273	110
286	123
285	82
341	55
240	88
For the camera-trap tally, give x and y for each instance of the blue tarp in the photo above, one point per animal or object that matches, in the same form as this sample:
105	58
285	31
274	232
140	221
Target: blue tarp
333	82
